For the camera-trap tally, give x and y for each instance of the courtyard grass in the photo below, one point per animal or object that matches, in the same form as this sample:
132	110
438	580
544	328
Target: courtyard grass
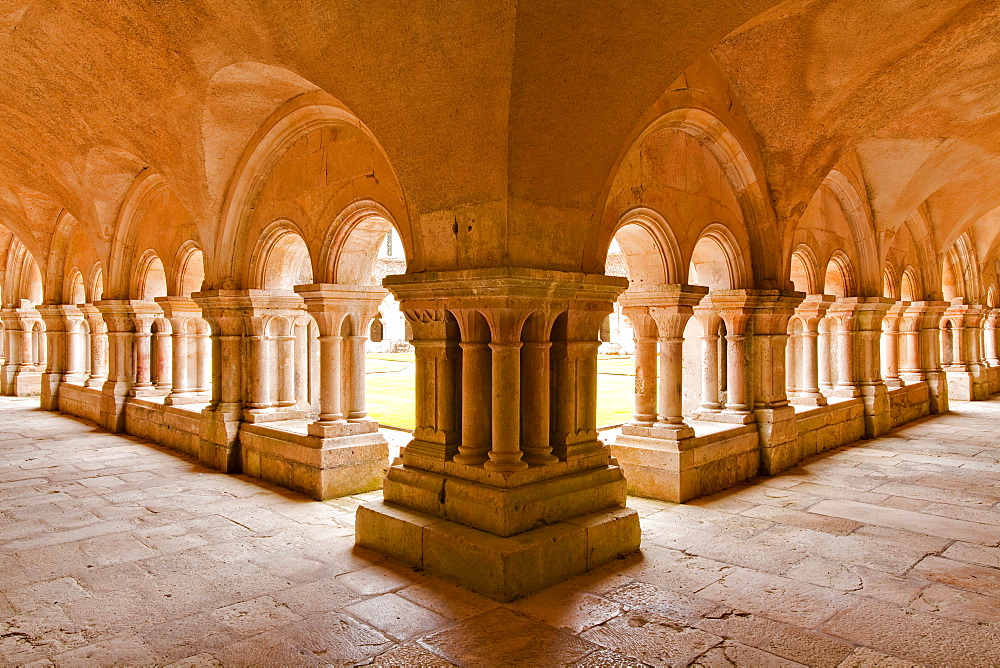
390	380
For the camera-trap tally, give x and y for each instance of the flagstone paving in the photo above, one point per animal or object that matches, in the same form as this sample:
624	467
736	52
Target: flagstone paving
114	551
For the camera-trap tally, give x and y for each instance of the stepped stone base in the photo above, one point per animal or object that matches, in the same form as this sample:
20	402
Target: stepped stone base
502	568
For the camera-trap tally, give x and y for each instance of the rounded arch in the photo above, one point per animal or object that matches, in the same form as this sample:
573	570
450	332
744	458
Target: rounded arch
296	118
190	274
852	203
652	255
149	278
840	279
350	248
75	290
890	288
804	270
735	161
909	285
716	261
95	283
952	283
146	186
991	296
281	260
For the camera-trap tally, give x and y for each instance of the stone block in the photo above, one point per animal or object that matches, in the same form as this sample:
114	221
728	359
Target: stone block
502	568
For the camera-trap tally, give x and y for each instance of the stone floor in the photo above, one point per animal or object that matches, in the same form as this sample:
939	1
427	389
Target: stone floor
113	551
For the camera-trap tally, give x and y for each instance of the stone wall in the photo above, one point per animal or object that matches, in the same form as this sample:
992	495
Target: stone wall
826	427
909	403
170	426
81	401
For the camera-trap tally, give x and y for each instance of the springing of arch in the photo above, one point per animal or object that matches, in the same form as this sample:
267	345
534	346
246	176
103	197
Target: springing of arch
651	252
295	119
804	270
991	296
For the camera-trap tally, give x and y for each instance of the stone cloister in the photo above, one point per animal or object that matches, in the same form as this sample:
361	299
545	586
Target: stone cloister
192	213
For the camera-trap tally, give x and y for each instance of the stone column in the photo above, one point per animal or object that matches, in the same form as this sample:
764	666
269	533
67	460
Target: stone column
120	318
925	318
505	376
671	316
57	341
356	380
203	360
735	307
143	354
536	385
224	311
76	345
164	363
811	311
477	390
283	347
868	315
891	345
301	329
98	346
181	313
12	344
844	311
503	510
711	398
991	340
777	427
646	336
354	454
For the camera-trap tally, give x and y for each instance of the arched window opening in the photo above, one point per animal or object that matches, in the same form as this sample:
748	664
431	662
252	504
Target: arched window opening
152	279
77	292
377	331
908	286
802	273
947	344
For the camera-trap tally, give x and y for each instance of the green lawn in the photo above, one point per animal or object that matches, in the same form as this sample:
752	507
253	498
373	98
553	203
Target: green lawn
390	379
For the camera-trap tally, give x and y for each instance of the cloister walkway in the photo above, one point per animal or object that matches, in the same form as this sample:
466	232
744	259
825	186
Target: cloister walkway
115	551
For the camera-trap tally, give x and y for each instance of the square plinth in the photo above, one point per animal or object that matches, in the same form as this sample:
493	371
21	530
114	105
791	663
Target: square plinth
502	568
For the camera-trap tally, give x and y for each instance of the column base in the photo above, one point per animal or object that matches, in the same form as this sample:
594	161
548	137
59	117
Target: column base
814	402
725	416
678	471
182	399
501	568
259	415
507	510
894	383
353	462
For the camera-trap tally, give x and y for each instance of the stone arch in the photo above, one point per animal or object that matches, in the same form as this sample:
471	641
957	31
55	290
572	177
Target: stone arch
840	279
75	290
952	283
804	270
24	278
909	285
991	296
288	124
190	264
737	165
350	248
123	247
652	255
149	280
95	284
852	203
716	261
890	288
280	260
